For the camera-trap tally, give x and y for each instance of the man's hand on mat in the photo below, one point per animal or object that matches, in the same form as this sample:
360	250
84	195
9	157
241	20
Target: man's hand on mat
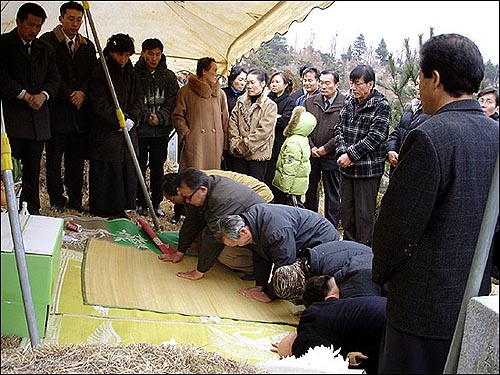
284	347
191	275
174	258
254	292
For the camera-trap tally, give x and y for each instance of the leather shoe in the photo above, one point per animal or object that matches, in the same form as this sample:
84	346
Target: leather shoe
75	206
143	211
159	211
57	208
175	218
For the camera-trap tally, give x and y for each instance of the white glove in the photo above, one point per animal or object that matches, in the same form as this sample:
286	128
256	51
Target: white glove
129	124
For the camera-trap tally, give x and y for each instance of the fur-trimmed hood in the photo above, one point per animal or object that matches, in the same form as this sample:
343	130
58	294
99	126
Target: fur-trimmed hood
301	123
203	89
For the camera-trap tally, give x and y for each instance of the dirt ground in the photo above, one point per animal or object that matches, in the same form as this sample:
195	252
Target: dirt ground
167	207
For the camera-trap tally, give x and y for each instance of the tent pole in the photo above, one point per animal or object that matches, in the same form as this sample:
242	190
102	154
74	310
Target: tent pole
476	272
121	118
15	228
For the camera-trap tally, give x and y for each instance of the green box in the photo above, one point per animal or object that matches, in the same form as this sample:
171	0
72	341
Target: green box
42	237
14	321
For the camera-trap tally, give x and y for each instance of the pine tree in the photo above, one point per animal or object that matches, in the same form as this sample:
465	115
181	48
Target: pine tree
359	48
382	52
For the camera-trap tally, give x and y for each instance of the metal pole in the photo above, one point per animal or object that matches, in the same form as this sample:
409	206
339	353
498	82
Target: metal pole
15	228
476	273
121	118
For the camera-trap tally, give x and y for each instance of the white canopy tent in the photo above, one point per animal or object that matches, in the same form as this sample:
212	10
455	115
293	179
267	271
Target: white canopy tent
224	30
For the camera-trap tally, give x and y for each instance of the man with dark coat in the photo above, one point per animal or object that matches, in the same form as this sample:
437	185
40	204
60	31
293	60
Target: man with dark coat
326	107
431	214
208	199
277	234
112	176
353	325
160	88
69	112
29	80
412	117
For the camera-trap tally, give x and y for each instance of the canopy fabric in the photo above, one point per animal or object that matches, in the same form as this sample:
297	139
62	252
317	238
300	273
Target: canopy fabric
189	30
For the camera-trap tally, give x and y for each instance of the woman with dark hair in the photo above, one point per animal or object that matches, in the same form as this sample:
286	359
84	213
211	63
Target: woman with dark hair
251	127
236	87
280	87
112	177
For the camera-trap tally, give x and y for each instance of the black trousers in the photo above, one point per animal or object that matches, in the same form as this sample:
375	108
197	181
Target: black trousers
29	153
328	170
254	168
74	147
153	154
357	208
112	187
403	353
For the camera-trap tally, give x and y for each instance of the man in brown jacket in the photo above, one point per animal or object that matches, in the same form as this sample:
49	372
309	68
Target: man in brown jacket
325	107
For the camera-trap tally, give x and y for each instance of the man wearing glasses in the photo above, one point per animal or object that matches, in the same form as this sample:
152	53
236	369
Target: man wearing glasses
208	198
361	132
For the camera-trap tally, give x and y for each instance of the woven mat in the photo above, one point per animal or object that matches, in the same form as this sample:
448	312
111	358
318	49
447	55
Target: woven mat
122	276
71	321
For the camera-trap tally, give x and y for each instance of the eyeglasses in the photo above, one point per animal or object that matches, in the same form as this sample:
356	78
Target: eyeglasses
192	194
485	101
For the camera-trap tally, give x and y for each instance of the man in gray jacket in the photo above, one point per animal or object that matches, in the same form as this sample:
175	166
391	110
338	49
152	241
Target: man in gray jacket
208	198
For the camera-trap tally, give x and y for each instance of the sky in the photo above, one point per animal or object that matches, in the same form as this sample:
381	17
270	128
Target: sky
394	21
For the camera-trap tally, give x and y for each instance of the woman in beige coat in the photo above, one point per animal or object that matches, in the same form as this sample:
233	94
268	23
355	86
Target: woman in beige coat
200	118
251	127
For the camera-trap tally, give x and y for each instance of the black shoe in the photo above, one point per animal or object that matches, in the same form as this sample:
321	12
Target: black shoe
118	215
75	206
143	211
175	218
59	206
159	211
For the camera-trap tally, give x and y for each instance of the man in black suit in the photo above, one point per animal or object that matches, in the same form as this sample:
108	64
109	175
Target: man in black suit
431	214
29	79
69	112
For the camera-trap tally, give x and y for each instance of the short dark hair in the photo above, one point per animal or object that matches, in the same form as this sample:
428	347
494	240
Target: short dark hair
169	183
286	80
30	8
316	289
301	70
261	74
193	178
203	64
489	90
335	75
363	71
152	43
311	69
70	5
120	43
235	72
458	61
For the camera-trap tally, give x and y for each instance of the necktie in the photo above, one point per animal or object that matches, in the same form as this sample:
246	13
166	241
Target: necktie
70	46
327	104
27	45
